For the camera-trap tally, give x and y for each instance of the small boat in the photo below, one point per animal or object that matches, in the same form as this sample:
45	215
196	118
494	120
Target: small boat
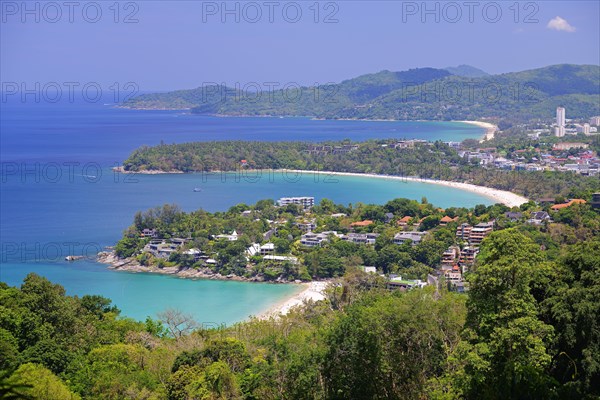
197	190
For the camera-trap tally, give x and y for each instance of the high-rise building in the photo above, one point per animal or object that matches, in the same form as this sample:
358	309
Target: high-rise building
586	129
560	122
560	116
595	121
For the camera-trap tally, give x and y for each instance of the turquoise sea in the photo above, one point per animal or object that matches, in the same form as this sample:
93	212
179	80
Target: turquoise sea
60	197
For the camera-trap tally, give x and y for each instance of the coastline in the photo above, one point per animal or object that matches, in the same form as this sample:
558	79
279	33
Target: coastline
311	291
490	129
131	265
505	197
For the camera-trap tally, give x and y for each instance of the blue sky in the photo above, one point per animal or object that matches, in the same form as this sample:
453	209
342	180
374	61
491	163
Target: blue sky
177	45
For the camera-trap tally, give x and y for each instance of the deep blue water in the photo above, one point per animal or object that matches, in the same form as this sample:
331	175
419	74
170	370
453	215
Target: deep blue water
60	197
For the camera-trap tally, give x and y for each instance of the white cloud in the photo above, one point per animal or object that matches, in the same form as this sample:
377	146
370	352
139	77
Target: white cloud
559	24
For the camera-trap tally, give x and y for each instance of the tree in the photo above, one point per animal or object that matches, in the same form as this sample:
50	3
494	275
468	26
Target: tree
178	323
43	384
573	307
505	352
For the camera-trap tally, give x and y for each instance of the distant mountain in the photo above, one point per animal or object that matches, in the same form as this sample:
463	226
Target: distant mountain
466	71
421	93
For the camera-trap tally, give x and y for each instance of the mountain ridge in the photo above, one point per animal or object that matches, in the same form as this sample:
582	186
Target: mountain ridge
418	93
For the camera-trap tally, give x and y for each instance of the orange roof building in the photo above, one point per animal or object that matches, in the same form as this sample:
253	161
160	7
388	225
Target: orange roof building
404	221
366	222
557	207
446	219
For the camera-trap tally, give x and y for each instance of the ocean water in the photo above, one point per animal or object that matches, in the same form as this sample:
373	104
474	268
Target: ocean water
59	196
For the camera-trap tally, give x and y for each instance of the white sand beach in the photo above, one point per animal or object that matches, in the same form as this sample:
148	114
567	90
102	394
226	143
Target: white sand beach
501	196
313	291
490	129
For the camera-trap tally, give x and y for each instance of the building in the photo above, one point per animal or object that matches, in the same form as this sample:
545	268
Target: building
513	216
306	226
266	249
305	202
446	220
587	129
368	270
253	250
450	256
366	222
316	239
467	255
397	283
290	259
453	276
595	121
595	200
414	237
560	121
568	146
233	237
361	238
404	221
538	218
464	231
388	217
151	233
480	231
557	207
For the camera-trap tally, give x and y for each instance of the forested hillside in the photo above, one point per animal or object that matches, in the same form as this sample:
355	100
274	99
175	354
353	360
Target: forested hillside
527	330
434	161
421	93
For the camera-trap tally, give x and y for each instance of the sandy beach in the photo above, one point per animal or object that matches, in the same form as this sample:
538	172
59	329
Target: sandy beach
313	291
500	196
490	129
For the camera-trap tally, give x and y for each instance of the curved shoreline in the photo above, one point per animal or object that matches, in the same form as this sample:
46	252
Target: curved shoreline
490	129
505	197
312	291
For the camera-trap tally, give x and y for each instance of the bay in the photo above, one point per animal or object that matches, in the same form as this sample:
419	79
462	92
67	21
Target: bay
60	197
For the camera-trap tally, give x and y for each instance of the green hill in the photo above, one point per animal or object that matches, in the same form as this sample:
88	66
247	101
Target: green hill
421	93
466	71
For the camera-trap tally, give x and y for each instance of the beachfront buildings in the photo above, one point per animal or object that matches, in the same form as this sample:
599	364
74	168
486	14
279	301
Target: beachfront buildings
305	202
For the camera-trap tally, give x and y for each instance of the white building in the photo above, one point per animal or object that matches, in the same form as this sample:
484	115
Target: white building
586	129
595	121
233	237
560	116
560	122
306	202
